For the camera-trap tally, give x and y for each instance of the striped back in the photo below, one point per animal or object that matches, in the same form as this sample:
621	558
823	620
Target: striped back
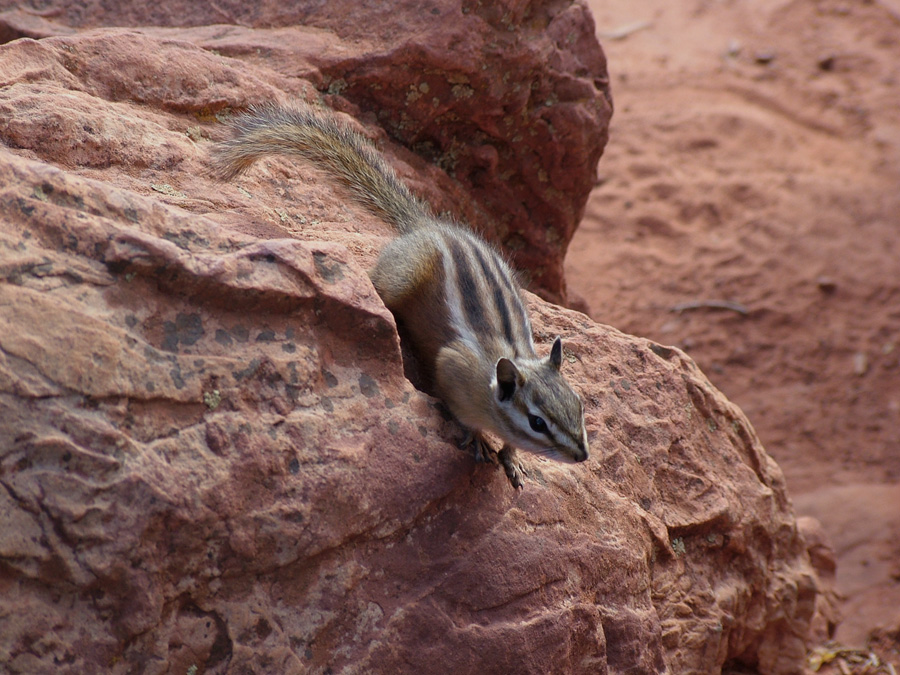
485	307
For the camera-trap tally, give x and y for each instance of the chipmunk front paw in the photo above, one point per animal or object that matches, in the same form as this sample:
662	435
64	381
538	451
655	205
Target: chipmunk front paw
484	453
515	472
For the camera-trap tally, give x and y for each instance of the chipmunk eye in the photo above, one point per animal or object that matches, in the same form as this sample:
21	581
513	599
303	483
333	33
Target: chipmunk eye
537	424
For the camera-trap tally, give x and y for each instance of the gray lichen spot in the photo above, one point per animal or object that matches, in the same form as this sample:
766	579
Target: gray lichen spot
185	330
177	379
662	352
223	338
249	370
240	333
190	328
293	393
329	273
367	386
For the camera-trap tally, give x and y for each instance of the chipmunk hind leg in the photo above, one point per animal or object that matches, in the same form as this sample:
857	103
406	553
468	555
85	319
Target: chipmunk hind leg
407	266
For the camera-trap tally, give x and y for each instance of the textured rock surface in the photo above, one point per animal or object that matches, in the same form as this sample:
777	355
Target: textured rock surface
511	99
766	174
210	456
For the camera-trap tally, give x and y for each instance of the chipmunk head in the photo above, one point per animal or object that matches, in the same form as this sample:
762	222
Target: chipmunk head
539	410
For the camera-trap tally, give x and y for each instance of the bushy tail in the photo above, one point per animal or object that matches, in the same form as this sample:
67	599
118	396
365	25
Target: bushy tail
320	139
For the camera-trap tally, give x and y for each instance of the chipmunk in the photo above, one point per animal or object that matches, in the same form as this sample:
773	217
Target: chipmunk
454	294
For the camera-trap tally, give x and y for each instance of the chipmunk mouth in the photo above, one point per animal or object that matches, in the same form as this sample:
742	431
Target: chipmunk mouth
564	456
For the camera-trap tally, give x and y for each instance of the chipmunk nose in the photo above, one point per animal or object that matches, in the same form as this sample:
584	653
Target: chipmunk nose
582	453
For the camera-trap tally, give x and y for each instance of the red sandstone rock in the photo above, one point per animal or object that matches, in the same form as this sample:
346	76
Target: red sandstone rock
822	557
510	99
210	455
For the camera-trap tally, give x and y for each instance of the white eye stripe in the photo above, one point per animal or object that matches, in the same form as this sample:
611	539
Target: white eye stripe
519	424
550	432
548	435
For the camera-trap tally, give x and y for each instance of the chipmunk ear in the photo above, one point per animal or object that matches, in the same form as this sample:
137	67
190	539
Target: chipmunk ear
555	358
508	378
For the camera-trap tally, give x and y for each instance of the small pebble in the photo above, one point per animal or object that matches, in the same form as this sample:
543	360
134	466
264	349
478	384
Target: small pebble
826	63
826	284
860	363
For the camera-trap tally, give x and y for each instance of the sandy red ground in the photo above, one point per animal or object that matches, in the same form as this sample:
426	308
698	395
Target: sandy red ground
754	159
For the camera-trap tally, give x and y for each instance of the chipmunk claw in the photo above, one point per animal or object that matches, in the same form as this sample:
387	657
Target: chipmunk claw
515	472
507	458
484	453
